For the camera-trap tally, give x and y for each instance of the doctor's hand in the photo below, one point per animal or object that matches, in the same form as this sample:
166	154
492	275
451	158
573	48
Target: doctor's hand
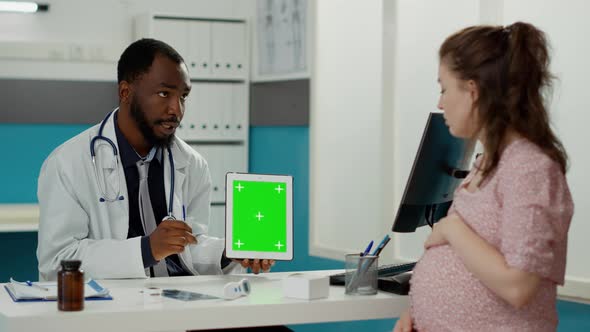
256	264
170	237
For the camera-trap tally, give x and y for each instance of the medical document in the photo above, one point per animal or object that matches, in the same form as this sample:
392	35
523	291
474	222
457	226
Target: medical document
47	291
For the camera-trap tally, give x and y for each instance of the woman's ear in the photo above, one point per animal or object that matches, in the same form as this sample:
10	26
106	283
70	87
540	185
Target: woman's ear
473	91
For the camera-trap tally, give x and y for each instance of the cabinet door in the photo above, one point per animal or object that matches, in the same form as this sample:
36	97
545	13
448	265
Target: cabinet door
222	158
236	159
228	50
173	33
217	221
199	44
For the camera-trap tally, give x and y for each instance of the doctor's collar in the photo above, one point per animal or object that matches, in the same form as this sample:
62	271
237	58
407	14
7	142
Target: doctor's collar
129	157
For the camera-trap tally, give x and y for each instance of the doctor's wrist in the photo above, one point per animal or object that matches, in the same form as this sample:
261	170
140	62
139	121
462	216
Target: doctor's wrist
224	260
146	252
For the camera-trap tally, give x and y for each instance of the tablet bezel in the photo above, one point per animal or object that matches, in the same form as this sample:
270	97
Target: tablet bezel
239	254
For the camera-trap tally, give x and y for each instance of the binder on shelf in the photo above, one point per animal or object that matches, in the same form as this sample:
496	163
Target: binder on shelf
199	39
239	112
172	32
215	103
237	35
202	123
225	111
217	38
186	128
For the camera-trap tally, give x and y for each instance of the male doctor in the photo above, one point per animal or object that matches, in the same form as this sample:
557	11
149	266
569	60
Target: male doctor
110	214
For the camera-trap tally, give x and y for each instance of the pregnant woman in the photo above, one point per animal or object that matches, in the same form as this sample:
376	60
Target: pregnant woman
494	263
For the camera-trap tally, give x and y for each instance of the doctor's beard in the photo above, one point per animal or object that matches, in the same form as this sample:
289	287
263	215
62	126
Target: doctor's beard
147	129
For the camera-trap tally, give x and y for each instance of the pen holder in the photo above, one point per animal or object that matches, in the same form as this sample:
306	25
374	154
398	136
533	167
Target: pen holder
361	274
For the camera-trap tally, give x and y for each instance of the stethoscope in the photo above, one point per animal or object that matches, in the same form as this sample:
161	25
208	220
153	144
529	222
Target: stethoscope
118	196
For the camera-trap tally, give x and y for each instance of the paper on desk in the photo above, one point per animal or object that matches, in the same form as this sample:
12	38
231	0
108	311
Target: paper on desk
22	291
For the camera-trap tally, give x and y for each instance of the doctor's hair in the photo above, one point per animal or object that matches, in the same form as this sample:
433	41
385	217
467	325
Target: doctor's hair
139	56
510	67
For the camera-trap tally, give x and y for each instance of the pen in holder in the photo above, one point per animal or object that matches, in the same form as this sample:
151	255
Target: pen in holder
361	274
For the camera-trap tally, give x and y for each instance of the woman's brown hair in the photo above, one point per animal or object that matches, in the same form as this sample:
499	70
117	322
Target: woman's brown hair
510	68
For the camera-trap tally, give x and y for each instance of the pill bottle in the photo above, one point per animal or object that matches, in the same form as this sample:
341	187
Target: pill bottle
70	286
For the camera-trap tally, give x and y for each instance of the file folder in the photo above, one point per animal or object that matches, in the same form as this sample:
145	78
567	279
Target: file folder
19	293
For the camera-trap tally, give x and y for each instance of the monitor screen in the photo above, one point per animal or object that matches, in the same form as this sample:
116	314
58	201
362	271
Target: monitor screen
440	165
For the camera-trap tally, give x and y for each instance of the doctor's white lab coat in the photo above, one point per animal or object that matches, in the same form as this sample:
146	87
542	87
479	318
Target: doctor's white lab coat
74	224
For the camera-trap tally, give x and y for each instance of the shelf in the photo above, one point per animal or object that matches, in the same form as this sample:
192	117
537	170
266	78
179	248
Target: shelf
25	217
19	218
17	228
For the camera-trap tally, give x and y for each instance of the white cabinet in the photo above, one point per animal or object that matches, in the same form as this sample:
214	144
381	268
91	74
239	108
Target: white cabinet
216	111
215	123
168	31
192	39
211	48
217	220
228	49
199	48
222	158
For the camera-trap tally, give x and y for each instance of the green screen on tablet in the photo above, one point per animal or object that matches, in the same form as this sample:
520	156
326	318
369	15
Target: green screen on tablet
259	216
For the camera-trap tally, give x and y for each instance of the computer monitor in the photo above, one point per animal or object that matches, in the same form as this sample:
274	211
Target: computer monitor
440	165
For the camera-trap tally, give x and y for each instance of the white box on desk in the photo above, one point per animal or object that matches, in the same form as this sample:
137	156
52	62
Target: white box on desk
306	286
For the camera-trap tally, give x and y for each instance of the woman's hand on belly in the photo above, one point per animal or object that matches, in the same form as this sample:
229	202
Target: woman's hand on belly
438	236
484	261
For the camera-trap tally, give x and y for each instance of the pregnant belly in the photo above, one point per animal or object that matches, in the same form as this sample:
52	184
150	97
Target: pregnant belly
444	293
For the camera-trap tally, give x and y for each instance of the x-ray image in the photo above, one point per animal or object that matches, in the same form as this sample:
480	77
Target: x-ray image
282	36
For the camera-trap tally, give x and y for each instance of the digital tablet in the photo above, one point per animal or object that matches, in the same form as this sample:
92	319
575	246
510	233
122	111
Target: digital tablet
259	216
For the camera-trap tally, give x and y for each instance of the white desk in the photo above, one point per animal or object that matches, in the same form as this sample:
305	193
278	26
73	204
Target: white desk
130	312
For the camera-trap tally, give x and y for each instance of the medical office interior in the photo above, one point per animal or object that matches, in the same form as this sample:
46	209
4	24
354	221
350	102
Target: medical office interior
332	92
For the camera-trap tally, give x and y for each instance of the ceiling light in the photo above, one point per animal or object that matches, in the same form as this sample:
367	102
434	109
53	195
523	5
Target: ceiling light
22	7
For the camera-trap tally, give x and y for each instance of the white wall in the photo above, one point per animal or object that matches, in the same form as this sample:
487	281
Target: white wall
373	85
345	127
106	22
416	89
